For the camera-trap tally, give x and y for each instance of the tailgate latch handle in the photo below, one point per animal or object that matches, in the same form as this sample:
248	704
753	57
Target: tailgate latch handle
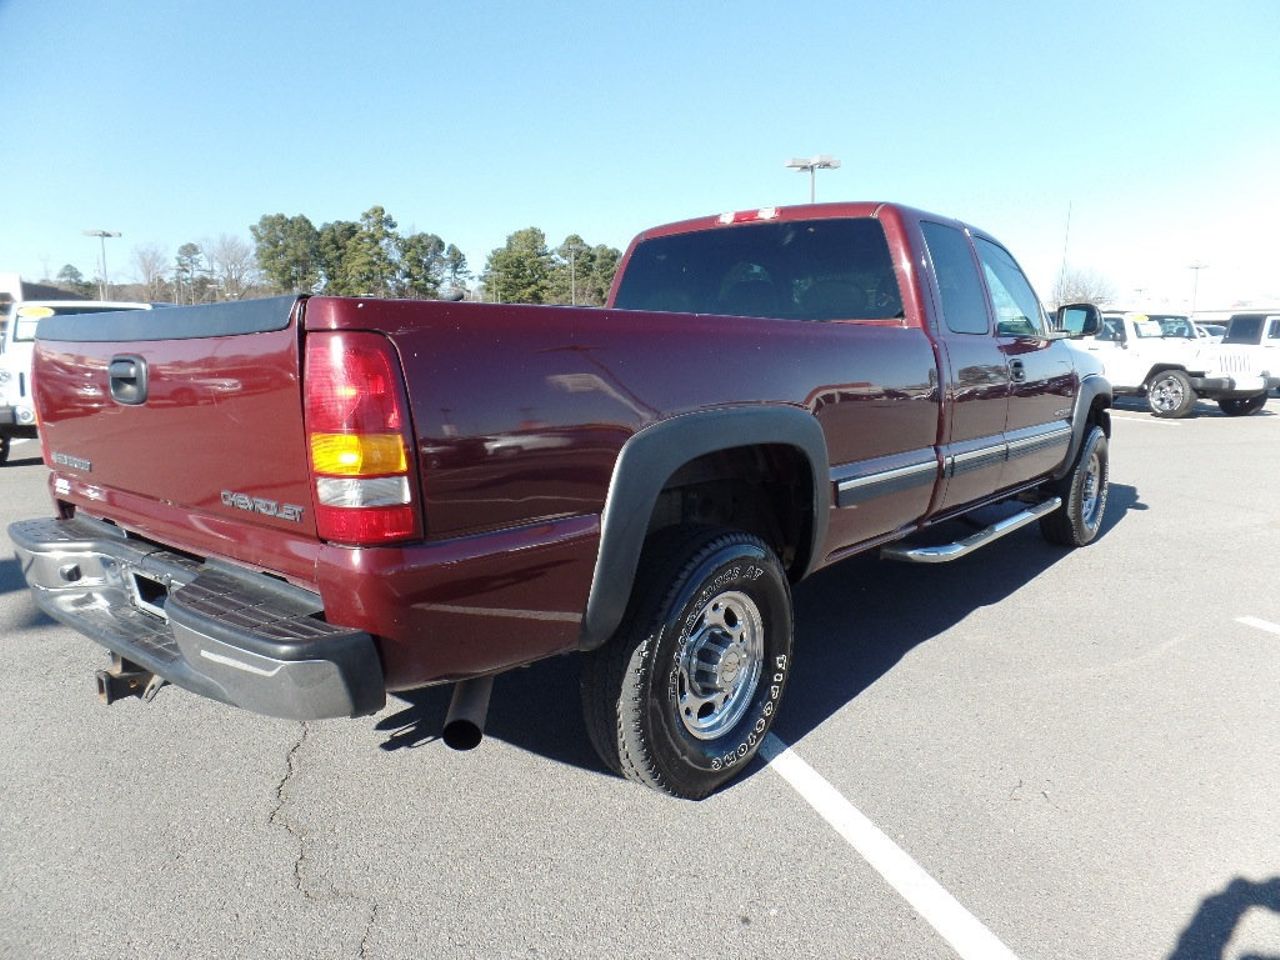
128	376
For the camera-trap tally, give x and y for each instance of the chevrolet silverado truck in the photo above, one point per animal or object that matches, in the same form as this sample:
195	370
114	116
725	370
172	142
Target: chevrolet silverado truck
297	505
1159	357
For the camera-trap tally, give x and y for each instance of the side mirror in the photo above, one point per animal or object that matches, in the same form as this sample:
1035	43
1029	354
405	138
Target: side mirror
1079	319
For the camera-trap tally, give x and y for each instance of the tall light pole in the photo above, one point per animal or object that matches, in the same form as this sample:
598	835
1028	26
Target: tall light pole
1195	268
821	162
573	282
104	289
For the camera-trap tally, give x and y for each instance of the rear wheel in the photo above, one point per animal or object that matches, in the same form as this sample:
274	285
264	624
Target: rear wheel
1084	496
4	449
1170	394
682	697
1244	406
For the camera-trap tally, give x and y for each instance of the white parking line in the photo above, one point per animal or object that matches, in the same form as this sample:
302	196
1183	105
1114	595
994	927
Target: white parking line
1254	622
961	929
1143	418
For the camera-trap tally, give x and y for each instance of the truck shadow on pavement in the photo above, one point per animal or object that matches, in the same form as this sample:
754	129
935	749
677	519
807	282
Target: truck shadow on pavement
854	622
11	578
1221	915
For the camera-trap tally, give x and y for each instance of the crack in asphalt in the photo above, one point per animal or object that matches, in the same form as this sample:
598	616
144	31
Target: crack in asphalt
309	890
368	929
277	817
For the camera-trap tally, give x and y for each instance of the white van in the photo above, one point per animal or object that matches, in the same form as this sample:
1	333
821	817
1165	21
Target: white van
17	407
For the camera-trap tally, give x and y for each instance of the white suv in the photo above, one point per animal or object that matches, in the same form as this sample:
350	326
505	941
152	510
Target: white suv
17	404
1160	357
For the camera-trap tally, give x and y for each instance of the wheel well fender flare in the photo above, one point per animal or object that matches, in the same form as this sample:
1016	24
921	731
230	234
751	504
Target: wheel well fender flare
1095	390
1160	368
652	456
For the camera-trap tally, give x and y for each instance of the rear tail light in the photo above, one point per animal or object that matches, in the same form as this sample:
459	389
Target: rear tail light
358	434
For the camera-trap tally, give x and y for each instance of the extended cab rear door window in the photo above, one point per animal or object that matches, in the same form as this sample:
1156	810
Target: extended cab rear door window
1018	310
836	269
964	304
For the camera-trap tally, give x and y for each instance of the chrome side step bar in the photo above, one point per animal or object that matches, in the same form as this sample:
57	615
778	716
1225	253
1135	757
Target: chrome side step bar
947	552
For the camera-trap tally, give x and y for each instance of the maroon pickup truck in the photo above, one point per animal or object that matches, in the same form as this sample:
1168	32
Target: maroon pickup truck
295	505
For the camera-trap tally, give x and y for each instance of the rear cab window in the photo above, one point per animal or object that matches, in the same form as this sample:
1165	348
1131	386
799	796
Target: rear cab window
828	269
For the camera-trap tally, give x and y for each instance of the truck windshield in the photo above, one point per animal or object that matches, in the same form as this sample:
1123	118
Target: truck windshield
801	270
26	319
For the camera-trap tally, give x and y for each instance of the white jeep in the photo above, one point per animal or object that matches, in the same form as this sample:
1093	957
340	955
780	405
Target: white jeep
1159	356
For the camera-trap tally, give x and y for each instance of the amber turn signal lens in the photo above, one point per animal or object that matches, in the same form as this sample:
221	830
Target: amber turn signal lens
358	455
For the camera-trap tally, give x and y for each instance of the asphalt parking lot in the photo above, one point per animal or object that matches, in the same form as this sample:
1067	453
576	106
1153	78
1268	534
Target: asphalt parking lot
1079	749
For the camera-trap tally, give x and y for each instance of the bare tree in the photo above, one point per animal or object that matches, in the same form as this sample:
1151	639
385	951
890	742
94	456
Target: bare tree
233	265
150	262
1082	286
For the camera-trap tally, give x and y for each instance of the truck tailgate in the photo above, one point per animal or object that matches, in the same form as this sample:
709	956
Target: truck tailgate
186	427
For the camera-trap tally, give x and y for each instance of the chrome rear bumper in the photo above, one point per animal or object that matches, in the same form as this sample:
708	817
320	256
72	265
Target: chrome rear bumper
225	633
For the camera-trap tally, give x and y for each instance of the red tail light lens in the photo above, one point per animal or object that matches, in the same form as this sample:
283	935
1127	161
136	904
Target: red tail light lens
357	432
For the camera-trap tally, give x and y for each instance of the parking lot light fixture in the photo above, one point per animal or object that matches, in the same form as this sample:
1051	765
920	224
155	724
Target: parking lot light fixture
104	289
1195	268
821	162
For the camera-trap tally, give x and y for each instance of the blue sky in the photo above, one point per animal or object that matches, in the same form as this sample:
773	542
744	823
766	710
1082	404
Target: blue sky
1156	123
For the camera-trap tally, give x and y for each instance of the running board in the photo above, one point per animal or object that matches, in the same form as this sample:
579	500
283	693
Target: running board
947	552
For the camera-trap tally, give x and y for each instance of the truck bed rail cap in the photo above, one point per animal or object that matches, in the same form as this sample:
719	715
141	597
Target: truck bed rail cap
180	323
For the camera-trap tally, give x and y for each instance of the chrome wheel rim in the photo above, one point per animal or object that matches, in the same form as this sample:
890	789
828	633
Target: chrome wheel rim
1167	394
1092	492
720	665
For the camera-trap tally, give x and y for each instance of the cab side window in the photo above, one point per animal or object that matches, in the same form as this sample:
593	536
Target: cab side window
1018	311
964	305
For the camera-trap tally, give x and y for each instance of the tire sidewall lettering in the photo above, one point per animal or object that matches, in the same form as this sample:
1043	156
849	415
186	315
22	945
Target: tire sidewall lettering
740	744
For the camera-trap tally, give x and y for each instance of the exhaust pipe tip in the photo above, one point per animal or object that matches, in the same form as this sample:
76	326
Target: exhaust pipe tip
462	735
464	723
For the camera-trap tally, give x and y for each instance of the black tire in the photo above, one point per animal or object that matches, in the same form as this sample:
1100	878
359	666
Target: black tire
4	450
1244	406
1084	495
710	620
1170	394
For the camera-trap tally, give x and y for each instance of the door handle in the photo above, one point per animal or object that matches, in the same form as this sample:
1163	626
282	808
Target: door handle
1017	372
128	380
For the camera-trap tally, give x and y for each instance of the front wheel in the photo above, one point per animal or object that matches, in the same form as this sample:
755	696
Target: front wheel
1170	394
1244	406
4	450
1084	496
682	697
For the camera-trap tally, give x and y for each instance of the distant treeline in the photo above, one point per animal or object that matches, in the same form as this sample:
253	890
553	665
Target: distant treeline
365	257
